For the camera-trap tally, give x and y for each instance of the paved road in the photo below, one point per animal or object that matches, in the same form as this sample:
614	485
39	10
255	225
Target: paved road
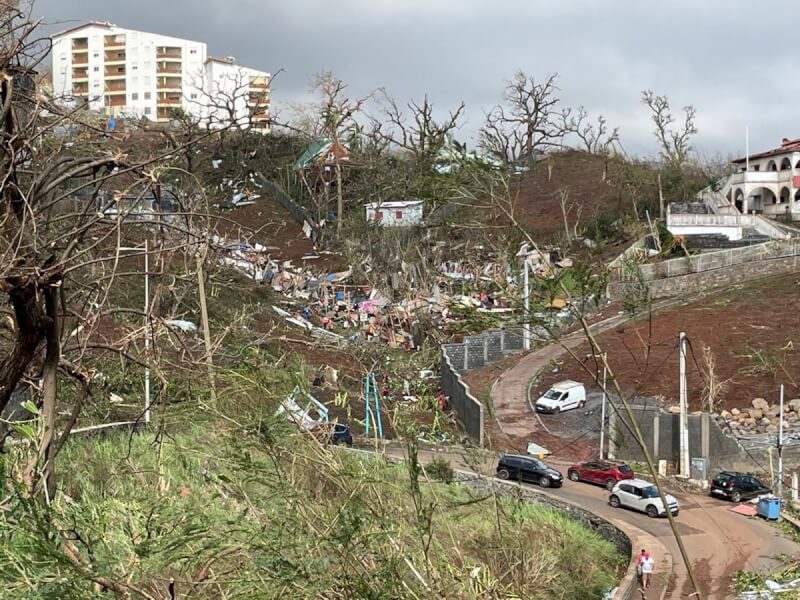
510	391
719	542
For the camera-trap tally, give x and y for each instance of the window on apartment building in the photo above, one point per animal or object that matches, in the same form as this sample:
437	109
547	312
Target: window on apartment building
147	95
95	55
379	215
135	96
147	110
96	69
120	69
757	168
398	214
134	67
193	51
63	57
193	96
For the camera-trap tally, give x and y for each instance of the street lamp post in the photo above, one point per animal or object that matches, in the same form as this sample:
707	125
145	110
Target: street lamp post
523	255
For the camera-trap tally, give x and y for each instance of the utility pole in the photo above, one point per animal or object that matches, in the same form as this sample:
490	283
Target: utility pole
147	332
527	296
780	447
603	407
684	416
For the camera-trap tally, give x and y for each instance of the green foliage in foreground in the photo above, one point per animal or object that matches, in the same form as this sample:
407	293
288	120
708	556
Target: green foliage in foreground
226	513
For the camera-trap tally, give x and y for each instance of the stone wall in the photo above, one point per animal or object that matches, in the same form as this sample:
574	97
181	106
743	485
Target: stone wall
698	282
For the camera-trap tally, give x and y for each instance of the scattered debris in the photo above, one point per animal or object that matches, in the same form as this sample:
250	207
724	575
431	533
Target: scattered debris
535	449
180	324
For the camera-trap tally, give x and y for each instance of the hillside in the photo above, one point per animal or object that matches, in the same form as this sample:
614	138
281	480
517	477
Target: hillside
753	338
597	188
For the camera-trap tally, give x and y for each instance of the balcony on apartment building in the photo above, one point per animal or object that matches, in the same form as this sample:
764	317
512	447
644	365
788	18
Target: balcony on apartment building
172	84
117	72
169	100
80	59
112	101
114	57
164	113
80	75
167	53
259	83
80	44
163	68
115	87
114	42
257	99
80	89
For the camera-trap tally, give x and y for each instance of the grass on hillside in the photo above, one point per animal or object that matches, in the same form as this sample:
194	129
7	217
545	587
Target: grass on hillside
265	513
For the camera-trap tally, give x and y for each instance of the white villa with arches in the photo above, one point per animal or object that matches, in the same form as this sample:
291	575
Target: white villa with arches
768	183
753	204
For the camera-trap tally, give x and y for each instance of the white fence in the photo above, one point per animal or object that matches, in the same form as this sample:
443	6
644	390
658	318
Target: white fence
708	261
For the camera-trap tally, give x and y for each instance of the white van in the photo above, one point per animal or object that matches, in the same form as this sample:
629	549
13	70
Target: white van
562	396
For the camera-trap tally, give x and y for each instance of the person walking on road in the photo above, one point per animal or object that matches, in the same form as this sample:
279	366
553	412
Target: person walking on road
647	565
639	560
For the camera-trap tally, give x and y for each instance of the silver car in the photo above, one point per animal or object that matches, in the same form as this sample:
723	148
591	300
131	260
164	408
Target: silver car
642	496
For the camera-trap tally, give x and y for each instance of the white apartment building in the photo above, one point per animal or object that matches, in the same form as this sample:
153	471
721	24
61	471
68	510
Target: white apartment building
126	72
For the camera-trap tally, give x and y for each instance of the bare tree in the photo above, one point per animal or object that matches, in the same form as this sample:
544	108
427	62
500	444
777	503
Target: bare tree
675	142
529	122
337	117
418	133
594	138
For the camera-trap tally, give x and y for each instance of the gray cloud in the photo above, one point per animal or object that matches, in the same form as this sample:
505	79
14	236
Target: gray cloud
732	61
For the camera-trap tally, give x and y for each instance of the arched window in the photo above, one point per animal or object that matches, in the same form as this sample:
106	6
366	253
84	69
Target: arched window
797	196
771	166
786	194
786	164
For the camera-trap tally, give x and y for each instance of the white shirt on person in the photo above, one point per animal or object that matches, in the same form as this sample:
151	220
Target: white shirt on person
648	564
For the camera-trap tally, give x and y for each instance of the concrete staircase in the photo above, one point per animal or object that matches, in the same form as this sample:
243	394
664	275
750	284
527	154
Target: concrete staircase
715	197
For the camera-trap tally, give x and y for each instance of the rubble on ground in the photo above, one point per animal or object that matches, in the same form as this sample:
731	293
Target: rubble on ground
333	307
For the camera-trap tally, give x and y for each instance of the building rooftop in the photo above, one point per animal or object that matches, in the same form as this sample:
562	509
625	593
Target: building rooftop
104	24
786	146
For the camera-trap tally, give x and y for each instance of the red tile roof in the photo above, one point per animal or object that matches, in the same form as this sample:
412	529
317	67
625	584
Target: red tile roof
786	146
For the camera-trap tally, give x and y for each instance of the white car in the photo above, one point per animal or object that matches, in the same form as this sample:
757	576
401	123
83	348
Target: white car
642	496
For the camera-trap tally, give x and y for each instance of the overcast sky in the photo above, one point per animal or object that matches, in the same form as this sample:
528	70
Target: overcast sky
732	60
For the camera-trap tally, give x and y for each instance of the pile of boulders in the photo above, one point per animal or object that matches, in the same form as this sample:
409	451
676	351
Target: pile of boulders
760	417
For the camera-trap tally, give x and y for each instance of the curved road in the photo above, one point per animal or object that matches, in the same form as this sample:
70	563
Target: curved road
718	542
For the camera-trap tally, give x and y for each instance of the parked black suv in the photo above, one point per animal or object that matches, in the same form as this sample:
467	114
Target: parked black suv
526	468
737	486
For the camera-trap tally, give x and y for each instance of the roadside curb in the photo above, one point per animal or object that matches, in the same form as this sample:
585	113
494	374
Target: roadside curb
637	537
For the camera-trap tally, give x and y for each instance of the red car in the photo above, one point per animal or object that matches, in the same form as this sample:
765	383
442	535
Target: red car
601	472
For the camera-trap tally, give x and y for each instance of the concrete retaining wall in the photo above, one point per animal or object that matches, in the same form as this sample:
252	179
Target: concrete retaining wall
660	431
697	282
